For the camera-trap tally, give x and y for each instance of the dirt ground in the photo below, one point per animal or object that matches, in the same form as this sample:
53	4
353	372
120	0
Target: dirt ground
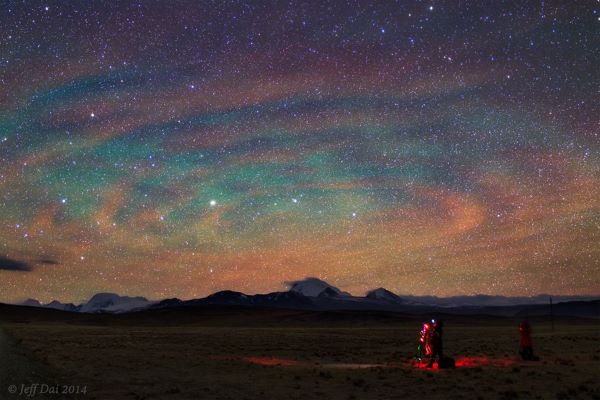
191	362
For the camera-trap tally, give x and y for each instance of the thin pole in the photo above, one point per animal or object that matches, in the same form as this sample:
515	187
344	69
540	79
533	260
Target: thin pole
551	313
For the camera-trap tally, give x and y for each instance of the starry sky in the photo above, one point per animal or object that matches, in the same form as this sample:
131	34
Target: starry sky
177	148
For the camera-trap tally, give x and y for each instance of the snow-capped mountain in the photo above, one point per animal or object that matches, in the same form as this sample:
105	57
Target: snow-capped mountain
385	295
111	302
314	287
101	302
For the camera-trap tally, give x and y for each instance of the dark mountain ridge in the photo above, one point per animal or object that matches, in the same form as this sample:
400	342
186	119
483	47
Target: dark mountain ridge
313	294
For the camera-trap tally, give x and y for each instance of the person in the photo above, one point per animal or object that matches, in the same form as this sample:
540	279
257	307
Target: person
436	343
424	345
525	344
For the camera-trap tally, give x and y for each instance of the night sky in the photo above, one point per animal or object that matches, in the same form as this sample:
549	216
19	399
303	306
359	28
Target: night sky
177	148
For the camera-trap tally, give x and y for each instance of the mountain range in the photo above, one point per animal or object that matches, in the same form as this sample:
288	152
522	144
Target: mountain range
100	302
315	294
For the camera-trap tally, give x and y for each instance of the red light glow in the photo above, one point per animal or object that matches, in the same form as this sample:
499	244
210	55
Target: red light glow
270	361
470	362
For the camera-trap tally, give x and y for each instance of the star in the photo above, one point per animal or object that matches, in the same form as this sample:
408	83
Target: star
360	144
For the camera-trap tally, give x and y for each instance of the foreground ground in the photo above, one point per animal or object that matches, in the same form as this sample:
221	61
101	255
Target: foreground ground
125	361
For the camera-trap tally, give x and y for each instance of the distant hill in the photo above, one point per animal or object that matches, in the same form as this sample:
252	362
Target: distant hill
213	315
481	300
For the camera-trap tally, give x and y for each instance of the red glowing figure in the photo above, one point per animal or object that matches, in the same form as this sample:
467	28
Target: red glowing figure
424	344
430	346
525	343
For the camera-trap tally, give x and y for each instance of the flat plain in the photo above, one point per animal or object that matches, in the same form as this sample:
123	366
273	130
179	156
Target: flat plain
309	357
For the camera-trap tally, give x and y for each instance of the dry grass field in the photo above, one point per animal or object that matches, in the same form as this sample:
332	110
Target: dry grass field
125	361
